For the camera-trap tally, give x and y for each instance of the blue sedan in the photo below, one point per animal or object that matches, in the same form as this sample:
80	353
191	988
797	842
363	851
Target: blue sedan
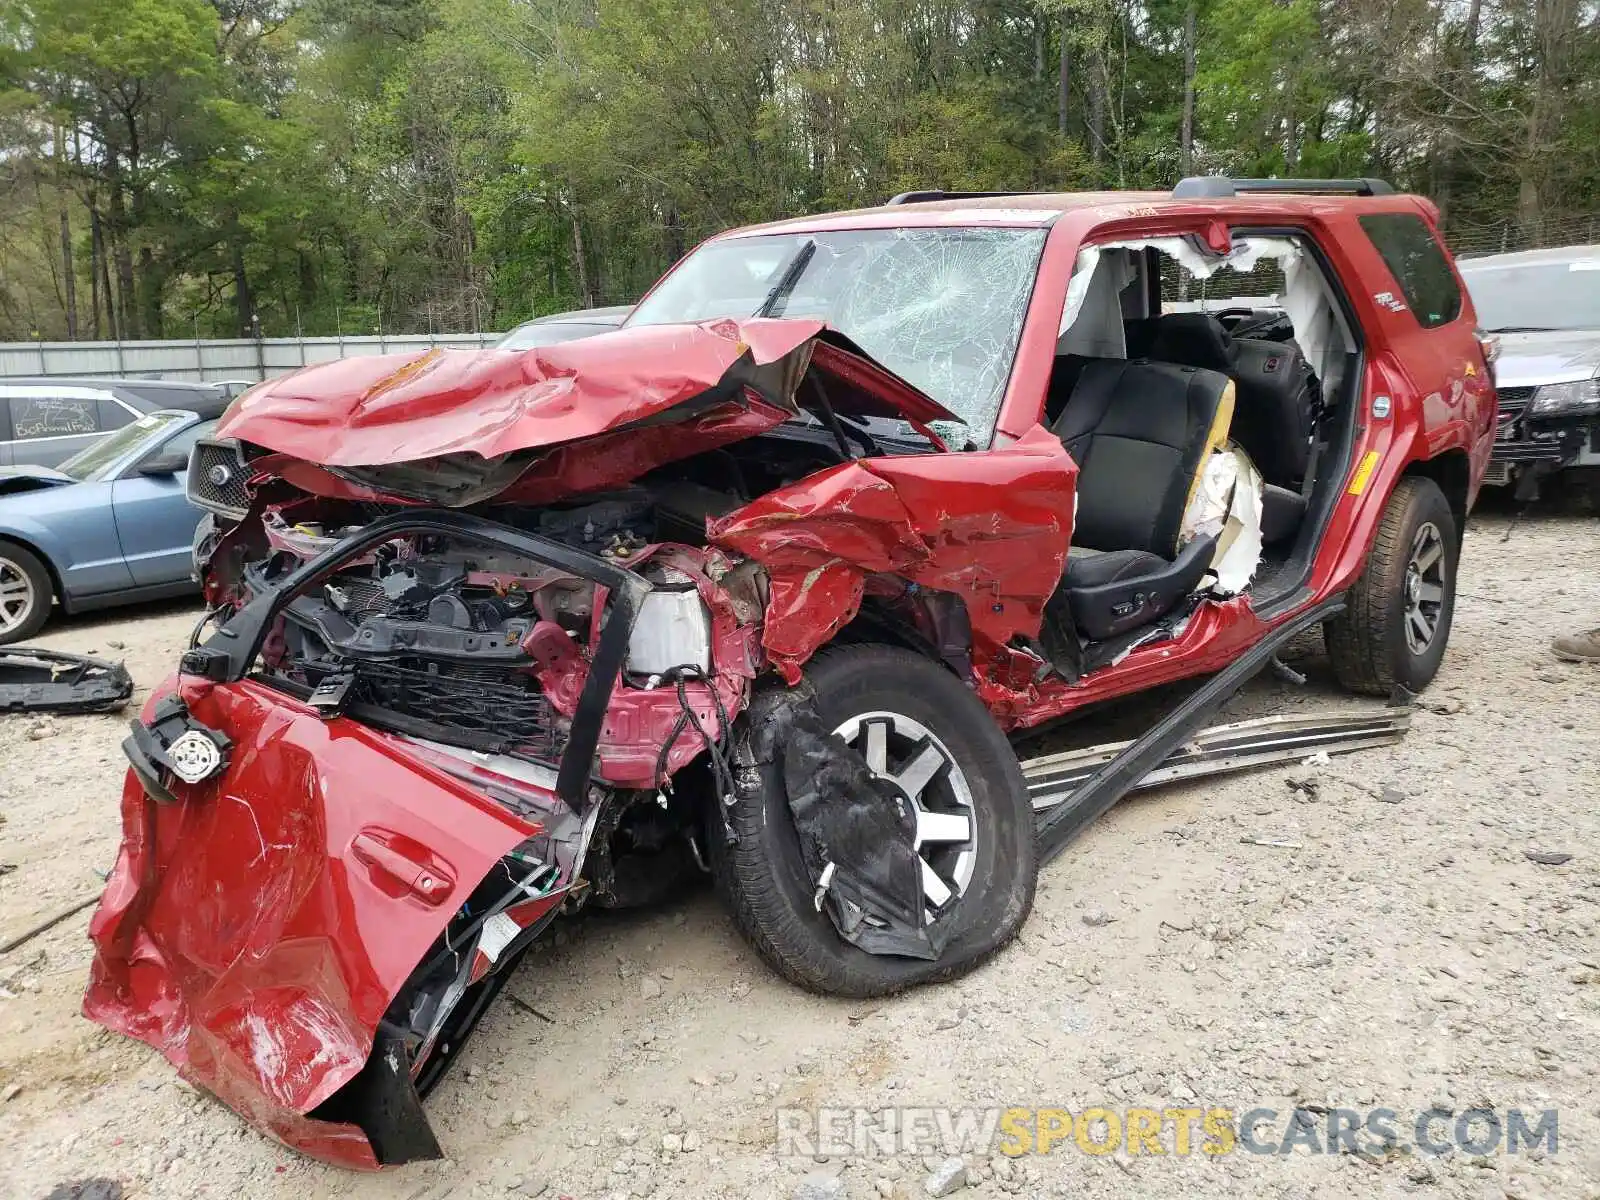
111	525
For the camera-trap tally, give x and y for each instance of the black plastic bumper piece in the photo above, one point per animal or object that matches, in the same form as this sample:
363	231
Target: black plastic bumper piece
50	681
383	1102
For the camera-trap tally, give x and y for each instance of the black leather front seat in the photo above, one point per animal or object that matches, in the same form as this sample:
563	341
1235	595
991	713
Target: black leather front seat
1140	433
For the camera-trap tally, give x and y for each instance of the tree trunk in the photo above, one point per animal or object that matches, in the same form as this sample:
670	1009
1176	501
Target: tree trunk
1186	141
152	283
69	274
1038	48
1291	139
100	271
1097	105
69	277
306	294
585	296
244	305
1556	28
674	223
122	256
94	270
1063	82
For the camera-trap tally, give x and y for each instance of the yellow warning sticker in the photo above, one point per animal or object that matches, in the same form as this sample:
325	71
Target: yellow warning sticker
1364	473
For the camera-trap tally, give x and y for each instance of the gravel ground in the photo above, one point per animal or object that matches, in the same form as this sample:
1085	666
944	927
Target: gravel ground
1403	951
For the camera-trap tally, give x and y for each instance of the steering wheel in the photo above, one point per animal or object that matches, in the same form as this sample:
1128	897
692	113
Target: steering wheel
1236	315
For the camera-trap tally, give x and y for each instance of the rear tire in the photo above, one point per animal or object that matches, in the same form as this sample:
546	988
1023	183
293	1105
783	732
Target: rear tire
26	591
1396	623
763	878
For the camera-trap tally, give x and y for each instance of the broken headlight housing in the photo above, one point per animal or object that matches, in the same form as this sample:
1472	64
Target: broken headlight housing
673	629
1580	396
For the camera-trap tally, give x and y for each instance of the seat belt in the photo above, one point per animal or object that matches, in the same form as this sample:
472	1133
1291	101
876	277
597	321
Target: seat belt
1319	409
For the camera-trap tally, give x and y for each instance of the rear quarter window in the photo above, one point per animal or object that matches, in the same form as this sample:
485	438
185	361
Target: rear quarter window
112	414
1418	264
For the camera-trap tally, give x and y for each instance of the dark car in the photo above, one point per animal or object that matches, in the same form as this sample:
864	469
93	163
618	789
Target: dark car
564	327
47	419
1544	306
760	584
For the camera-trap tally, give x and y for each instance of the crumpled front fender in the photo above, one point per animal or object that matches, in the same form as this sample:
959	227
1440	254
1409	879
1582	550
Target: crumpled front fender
256	931
991	528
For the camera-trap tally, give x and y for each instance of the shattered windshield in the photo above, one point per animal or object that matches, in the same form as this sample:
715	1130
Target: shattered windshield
1531	297
942	307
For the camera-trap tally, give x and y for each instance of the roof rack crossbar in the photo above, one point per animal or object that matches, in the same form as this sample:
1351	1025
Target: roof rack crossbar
921	196
1221	187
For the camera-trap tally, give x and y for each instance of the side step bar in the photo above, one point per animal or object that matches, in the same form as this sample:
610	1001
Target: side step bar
1220	749
1123	771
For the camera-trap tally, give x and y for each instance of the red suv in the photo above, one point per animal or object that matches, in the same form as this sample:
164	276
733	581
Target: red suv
761	585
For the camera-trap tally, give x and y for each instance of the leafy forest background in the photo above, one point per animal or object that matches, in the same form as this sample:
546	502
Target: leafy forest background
199	168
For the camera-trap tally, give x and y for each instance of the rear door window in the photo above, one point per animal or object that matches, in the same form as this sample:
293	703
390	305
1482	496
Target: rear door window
35	417
1418	264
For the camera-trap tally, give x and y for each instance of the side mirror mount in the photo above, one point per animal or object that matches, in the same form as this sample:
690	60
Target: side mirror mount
164	464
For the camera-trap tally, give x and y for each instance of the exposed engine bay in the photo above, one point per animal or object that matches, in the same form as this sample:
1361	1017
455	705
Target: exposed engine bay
440	636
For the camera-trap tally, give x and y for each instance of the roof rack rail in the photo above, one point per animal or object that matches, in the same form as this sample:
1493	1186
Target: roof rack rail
1221	187
919	197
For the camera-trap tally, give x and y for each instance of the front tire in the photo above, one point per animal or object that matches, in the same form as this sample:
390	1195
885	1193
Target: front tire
911	719
25	593
1397	618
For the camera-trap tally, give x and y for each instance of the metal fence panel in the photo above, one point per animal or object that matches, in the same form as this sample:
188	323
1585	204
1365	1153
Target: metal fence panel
222	358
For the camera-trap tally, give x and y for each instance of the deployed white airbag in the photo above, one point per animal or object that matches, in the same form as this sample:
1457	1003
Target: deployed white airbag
1227	504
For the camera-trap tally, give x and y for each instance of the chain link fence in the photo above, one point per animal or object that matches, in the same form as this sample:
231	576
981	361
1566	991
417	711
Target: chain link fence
1470	241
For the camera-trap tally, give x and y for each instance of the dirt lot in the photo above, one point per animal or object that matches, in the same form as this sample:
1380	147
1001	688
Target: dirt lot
1402	952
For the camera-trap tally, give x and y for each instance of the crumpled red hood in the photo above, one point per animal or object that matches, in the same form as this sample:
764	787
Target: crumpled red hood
371	411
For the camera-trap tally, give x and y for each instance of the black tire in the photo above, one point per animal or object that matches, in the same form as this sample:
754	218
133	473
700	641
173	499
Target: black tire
1368	643
18	563
770	892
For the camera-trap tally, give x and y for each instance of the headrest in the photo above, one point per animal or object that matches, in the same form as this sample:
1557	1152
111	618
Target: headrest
1193	339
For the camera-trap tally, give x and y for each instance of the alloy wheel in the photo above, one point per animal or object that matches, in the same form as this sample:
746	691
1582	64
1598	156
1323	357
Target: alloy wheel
906	753
16	596
1424	588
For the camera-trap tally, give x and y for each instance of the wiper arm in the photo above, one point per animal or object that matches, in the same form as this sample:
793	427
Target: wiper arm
1524	329
789	279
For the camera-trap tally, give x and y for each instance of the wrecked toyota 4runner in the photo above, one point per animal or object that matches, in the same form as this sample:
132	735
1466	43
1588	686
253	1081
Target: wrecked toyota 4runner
758	585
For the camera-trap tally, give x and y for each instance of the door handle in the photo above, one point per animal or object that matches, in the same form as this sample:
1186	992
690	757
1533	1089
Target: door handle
404	864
